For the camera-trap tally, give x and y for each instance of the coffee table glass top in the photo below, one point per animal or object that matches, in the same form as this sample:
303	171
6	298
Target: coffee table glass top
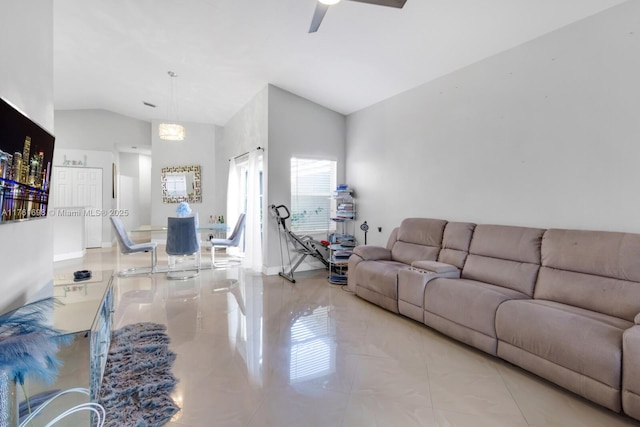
77	302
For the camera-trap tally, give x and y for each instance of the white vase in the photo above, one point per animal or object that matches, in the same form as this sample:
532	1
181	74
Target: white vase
8	401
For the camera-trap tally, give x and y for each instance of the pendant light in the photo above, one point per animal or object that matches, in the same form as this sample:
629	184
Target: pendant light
171	131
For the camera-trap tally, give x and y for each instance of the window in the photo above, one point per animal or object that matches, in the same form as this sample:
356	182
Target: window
312	184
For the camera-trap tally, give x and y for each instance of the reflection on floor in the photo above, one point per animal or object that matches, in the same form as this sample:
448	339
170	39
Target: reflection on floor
259	351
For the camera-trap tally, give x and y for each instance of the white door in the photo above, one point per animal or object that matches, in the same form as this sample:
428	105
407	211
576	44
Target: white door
63	181
82	187
88	187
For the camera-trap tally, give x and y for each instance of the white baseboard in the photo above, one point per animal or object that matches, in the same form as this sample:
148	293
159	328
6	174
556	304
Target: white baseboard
69	255
271	271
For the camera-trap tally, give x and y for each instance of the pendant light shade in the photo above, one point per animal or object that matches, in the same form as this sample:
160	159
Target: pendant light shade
171	131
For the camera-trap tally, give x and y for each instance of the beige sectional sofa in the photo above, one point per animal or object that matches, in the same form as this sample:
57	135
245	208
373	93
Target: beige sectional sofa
562	304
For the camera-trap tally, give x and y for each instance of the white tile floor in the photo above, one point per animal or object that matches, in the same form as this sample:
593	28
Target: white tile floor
258	351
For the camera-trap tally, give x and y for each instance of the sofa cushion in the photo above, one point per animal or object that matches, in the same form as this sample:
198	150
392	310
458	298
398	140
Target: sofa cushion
583	341
596	293
594	270
408	253
467	302
422	231
631	372
371	252
455	243
379	276
505	256
418	239
601	253
507	242
519	276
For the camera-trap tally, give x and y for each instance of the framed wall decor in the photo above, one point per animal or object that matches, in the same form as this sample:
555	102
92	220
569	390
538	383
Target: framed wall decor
26	153
181	184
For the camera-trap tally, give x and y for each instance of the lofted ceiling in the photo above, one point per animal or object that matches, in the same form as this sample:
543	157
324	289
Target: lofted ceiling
115	54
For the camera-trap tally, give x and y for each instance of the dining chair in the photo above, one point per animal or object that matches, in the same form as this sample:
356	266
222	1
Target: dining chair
127	247
232	241
182	243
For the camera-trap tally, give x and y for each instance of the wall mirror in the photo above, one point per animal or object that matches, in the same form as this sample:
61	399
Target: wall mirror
181	184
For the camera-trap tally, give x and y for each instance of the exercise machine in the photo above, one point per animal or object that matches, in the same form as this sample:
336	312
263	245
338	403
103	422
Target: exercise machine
302	246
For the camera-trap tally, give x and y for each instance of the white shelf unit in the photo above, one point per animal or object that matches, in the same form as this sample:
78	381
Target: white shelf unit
342	241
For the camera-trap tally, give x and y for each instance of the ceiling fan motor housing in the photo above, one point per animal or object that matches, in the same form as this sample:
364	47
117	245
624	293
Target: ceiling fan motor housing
322	7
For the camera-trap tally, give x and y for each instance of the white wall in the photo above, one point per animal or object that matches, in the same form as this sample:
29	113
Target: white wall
69	240
144	199
26	80
100	130
198	148
134	189
297	128
546	134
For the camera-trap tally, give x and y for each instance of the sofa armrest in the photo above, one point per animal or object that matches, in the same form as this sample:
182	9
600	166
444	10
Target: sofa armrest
372	253
434	266
637	319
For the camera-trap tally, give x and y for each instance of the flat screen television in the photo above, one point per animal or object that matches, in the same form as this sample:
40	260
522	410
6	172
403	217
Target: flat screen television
26	154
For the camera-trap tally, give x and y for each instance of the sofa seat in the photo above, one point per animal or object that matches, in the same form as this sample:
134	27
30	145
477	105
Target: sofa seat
378	282
631	369
465	309
576	348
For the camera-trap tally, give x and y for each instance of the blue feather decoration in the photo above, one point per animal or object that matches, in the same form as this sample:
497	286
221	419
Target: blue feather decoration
28	346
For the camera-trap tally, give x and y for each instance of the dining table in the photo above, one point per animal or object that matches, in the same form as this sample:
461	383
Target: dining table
149	228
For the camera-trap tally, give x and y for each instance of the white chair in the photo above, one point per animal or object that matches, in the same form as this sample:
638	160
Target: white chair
232	241
182	242
127	247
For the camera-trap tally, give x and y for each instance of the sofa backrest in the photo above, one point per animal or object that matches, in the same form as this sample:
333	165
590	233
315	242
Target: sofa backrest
505	256
455	243
594	270
418	239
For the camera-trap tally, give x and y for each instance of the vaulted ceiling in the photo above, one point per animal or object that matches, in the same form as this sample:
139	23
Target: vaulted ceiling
115	54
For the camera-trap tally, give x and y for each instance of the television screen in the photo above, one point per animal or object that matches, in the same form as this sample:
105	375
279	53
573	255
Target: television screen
26	153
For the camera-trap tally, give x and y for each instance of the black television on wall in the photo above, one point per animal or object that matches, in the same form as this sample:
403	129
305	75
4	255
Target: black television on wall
26	155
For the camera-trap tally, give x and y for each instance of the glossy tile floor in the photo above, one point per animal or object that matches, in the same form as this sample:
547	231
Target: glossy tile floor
258	351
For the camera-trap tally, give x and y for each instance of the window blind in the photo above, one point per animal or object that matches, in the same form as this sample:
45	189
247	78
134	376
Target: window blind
312	184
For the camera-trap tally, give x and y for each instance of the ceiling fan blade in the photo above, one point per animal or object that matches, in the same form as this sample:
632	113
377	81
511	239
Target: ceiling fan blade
318	15
391	3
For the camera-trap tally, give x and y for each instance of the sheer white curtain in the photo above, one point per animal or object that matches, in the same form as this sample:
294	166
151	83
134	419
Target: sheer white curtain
253	242
244	195
233	194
